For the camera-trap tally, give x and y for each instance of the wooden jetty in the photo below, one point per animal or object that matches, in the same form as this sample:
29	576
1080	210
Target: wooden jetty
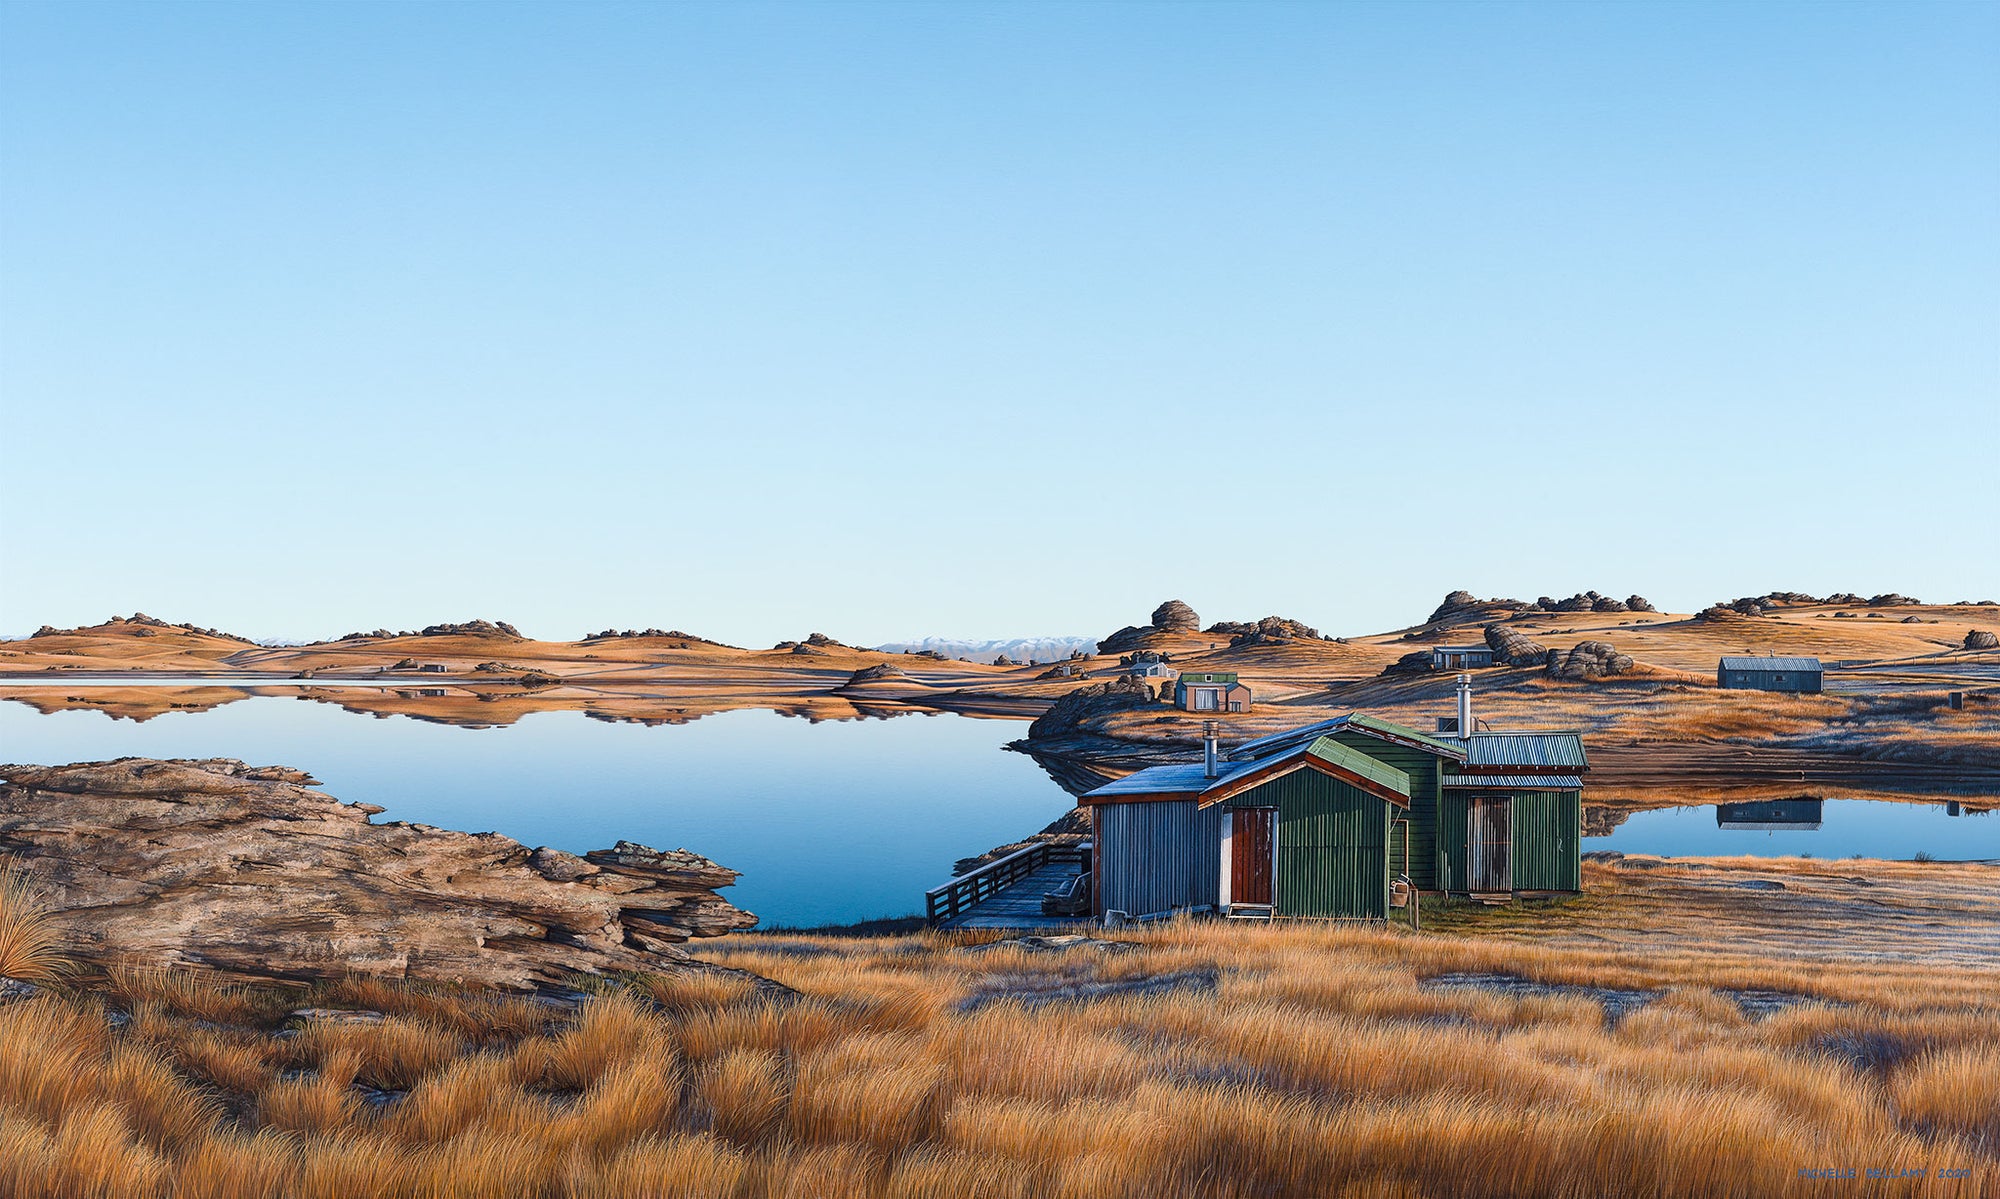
1007	892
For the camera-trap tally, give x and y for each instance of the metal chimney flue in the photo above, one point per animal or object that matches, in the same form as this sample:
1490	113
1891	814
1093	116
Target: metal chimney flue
1464	707
1208	757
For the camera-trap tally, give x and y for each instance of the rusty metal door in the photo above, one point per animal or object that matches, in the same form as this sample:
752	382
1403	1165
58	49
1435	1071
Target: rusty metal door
1252	848
1489	860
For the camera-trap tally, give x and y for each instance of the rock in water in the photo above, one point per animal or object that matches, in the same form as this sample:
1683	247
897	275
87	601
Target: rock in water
213	863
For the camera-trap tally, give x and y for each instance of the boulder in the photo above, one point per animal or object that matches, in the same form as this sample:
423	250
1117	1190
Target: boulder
1173	616
1588	660
1414	662
1639	603
216	864
1981	639
1513	649
875	673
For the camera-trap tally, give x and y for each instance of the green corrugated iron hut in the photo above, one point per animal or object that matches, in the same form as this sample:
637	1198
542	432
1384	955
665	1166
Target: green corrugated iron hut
1316	822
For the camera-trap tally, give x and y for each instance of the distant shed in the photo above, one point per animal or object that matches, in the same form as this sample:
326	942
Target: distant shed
1211	691
1770	673
1461	657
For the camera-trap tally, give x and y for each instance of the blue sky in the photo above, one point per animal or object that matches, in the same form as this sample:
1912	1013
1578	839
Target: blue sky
988	320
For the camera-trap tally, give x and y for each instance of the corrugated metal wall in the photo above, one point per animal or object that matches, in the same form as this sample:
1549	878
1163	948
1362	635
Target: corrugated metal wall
1548	839
1333	846
1423	814
1156	857
1451	815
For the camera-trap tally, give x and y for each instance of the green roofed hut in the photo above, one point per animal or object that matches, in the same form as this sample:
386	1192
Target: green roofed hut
1317	822
1211	691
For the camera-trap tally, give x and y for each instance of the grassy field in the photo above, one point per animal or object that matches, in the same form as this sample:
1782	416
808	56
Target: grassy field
1478	1058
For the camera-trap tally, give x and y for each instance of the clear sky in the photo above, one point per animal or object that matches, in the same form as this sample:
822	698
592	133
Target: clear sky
988	319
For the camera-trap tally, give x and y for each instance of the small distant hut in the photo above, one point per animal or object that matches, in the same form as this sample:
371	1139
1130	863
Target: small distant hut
1211	691
1770	673
1460	657
1151	668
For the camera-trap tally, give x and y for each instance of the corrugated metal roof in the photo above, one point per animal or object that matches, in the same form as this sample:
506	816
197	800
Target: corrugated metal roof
1803	665
1190	778
1208	676
1291	739
1356	762
1179	778
1517	782
1557	751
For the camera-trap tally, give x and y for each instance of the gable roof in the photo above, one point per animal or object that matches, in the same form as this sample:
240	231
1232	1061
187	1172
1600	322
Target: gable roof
1802	665
1208	676
1353	722
1189	780
1529	750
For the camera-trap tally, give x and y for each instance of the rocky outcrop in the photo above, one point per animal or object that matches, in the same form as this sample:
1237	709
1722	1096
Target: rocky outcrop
1272	630
1513	649
658	634
1981	639
473	628
1639	603
470	628
1462	607
1893	599
1588	660
251	872
1085	702
1415	662
880	672
1173	616
138	624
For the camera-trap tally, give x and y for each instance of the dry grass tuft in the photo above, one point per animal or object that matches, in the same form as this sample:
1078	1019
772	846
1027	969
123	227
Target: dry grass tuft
30	948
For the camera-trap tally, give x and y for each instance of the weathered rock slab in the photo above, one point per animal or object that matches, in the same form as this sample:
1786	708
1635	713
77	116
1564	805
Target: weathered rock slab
249	871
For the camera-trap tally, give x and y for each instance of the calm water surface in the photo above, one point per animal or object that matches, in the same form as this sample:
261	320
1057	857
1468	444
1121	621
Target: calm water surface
1847	827
829	823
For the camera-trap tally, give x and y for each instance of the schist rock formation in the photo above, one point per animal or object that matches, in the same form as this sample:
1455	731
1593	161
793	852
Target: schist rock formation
252	872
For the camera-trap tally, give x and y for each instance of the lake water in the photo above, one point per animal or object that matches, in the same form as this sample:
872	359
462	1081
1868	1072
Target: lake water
1847	827
830	823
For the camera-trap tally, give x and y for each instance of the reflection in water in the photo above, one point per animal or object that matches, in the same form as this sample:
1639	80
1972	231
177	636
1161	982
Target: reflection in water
1770	814
1806	826
830	821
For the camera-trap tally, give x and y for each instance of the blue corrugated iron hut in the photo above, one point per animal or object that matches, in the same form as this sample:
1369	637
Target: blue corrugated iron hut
1770	673
1315	822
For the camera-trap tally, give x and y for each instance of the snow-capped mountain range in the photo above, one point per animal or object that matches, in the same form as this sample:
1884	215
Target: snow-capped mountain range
1017	649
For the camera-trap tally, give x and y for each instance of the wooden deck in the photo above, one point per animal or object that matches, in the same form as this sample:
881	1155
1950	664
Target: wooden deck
1019	904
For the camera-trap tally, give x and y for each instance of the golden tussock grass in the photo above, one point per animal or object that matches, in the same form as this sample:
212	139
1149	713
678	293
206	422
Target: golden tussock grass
1318	1064
30	948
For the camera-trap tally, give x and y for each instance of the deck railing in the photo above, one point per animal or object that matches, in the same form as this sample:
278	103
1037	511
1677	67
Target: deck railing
977	886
